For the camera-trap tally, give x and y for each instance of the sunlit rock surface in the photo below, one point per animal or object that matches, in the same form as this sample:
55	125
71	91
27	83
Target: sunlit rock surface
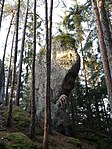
61	61
63	58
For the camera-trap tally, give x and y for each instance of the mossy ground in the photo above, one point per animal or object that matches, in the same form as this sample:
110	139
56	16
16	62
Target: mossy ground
17	140
17	137
102	141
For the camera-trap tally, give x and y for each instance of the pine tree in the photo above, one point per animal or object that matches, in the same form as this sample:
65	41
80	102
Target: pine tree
47	116
106	31
9	117
1	15
46	124
4	54
103	50
9	72
33	108
21	58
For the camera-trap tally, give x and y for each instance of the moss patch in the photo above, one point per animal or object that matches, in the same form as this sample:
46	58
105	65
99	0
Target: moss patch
20	119
102	141
17	141
75	142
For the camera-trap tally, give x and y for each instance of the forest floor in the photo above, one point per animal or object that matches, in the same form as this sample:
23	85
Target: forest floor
17	136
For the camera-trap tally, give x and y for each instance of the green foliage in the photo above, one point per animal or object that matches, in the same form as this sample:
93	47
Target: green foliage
43	51
10	7
75	142
18	140
66	40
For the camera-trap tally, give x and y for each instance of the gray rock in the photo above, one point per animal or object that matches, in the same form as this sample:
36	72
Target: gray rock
61	61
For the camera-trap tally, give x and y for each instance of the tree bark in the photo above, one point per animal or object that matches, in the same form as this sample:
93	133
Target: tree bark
49	65
74	116
3	1
2	83
89	110
33	108
46	115
21	58
9	117
103	51
9	70
106	31
3	59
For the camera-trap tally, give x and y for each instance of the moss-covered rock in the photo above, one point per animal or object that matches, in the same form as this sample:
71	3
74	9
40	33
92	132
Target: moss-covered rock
17	140
75	142
20	119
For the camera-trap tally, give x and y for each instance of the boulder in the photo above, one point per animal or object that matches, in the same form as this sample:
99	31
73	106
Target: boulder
63	58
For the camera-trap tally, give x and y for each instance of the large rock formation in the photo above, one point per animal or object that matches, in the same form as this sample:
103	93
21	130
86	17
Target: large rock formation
65	64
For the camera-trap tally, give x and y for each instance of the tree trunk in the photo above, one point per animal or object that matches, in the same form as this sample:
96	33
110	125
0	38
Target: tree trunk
97	114
9	70
33	108
3	1
89	111
9	117
46	116
21	58
74	116
49	60
2	84
103	50
3	59
84	71
7	38
106	31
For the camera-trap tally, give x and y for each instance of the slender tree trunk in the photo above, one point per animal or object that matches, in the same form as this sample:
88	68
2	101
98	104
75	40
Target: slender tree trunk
3	59
97	113
1	15
33	108
46	123
106	31
7	38
84	70
74	116
2	83
93	86
47	118
94	80
89	111
21	58
9	117
9	70
103	50
49	60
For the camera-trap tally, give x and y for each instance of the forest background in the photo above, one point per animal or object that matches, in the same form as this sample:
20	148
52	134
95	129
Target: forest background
91	99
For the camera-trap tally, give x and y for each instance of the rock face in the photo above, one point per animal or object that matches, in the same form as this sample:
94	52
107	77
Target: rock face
61	61
63	58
